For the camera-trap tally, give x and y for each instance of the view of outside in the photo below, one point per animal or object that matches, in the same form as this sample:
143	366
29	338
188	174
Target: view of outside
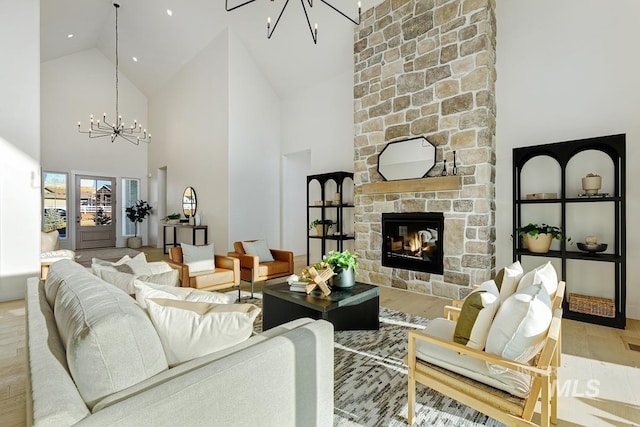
54	201
95	202
130	195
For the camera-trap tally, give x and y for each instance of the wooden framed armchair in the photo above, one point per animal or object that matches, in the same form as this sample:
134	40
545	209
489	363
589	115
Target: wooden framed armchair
226	274
485	381
252	269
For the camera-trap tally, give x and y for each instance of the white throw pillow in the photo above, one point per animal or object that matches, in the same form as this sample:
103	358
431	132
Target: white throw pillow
507	280
476	315
125	281
260	248
198	258
49	241
139	265
545	274
121	261
520	326
145	290
189	330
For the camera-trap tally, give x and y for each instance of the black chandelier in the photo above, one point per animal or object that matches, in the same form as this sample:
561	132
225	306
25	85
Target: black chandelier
314	30
134	134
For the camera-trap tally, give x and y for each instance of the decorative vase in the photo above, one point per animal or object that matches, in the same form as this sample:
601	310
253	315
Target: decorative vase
591	184
539	244
322	229
134	242
343	278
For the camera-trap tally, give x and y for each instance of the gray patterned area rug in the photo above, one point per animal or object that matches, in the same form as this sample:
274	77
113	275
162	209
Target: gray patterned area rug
370	379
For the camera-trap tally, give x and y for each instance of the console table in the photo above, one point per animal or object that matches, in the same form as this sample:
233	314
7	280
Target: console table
175	227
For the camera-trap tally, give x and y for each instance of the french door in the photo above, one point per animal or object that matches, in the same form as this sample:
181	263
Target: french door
95	212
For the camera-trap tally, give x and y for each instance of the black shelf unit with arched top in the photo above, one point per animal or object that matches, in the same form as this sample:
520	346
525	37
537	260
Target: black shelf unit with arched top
323	211
612	146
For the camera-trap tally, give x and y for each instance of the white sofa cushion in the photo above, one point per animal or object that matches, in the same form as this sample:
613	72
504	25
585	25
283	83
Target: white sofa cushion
199	258
507	280
545	274
192	329
125	281
476	315
512	382
110	342
260	248
520	326
58	274
146	290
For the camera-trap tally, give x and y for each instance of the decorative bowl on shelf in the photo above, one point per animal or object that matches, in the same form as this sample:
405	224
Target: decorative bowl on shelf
592	247
541	196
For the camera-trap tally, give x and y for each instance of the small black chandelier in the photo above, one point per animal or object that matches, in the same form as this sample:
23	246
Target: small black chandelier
314	30
133	134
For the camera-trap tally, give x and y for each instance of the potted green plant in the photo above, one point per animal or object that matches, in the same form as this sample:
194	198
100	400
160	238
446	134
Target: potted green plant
137	213
173	218
538	238
344	265
322	227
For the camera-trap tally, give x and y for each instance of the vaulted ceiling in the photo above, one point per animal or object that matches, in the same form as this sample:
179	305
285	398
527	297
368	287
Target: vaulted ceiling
163	44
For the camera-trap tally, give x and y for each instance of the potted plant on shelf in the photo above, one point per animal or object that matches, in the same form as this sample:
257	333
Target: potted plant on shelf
591	183
137	213
538	238
172	219
322	227
344	265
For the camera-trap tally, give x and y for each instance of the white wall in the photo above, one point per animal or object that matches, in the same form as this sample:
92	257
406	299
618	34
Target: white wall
190	120
567	70
254	150
320	118
19	146
73	88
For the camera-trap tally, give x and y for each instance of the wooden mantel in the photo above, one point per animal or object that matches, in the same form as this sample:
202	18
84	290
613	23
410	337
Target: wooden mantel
436	183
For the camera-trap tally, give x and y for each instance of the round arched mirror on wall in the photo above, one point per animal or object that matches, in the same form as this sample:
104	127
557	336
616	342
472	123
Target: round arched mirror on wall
189	202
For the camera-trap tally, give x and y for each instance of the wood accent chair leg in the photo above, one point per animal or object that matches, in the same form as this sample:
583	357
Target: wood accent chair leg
411	390
554	386
545	401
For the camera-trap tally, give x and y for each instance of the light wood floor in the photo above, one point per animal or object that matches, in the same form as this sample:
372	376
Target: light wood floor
599	379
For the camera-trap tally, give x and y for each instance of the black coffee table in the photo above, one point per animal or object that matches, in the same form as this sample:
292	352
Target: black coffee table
356	308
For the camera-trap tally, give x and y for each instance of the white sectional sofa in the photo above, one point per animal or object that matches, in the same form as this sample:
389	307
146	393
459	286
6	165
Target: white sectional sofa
94	358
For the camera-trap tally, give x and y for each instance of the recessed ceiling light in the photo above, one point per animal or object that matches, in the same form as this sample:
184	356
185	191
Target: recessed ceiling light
169	12
69	36
135	59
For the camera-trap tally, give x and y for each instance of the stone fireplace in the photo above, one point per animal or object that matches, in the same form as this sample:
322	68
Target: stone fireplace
413	241
427	68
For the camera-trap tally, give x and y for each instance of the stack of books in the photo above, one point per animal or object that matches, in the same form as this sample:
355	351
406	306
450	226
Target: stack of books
296	285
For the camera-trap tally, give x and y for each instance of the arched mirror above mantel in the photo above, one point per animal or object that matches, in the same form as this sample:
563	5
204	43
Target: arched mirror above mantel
189	202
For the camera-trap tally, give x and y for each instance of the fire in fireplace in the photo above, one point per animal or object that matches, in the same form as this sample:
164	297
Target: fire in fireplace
413	241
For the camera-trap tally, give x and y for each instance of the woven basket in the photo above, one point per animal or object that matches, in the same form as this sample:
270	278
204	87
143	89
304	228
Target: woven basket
597	306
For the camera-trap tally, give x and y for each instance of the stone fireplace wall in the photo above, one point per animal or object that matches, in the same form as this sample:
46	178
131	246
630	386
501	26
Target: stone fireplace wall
427	68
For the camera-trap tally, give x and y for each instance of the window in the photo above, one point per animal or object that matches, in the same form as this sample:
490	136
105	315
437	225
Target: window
130	195
54	202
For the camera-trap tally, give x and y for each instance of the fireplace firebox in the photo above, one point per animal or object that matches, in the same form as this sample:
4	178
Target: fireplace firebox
413	241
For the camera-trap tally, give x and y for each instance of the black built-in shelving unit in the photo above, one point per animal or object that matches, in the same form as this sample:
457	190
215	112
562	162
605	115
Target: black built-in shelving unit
325	211
614	147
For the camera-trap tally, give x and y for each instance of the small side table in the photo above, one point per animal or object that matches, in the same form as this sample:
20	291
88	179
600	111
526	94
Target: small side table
175	227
